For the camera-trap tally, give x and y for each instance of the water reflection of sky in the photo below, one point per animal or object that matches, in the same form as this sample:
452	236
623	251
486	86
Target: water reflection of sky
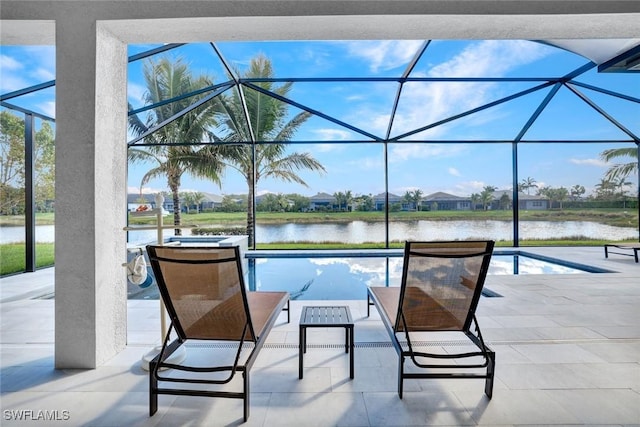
348	278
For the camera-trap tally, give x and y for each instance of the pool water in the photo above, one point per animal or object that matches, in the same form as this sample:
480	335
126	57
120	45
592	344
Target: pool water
346	276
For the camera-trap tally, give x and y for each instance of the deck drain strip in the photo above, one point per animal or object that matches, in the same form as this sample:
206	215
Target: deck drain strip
387	344
330	346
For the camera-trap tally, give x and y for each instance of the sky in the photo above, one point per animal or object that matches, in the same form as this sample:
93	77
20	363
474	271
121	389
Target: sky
459	169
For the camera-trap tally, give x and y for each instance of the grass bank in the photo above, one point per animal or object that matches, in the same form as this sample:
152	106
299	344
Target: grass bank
13	257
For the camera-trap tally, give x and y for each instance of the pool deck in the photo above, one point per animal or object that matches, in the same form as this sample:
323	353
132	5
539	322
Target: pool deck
567	350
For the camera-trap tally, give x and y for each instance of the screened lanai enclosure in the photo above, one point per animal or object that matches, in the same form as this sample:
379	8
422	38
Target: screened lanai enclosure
357	144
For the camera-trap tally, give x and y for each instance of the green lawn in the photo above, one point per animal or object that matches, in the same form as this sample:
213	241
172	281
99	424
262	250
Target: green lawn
13	257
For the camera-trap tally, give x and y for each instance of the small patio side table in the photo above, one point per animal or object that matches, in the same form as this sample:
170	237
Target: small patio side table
325	317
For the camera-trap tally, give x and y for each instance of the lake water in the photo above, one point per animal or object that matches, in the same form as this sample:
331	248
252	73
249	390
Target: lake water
361	232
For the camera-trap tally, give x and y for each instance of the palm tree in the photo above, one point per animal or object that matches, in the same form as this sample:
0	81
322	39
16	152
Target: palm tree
527	184
475	199
486	196
192	198
417	198
165	79
605	189
620	170
267	116
577	191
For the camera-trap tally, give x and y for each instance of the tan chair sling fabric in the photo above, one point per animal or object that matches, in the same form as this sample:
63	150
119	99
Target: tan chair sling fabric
204	293
441	286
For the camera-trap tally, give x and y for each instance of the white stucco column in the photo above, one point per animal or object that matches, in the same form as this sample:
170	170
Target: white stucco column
91	158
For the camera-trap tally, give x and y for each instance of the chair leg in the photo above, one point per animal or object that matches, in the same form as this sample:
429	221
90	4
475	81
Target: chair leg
400	375
368	305
245	374
153	387
491	365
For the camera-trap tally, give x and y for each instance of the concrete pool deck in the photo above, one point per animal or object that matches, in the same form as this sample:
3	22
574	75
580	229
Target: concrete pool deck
567	350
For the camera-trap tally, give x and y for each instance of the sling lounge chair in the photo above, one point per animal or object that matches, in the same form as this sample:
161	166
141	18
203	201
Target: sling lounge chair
204	293
441	286
635	247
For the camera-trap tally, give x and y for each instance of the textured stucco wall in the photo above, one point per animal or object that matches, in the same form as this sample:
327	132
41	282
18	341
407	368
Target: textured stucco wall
91	160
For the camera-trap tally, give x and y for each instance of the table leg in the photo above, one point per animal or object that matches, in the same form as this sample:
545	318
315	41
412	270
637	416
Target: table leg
346	339
301	349
351	356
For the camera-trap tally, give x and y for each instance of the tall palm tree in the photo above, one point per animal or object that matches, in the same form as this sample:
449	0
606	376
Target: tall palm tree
417	198
527	184
268	122
475	198
486	196
620	170
166	79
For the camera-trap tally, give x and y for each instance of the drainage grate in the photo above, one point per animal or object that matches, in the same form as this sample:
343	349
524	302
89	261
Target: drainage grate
388	344
332	346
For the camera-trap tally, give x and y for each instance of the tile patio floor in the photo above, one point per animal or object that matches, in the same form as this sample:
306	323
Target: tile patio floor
567	350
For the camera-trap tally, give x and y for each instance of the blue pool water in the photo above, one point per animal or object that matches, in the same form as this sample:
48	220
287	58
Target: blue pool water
326	278
345	276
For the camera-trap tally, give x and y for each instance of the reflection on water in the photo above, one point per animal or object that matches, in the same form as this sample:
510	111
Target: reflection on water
337	278
363	232
519	264
348	278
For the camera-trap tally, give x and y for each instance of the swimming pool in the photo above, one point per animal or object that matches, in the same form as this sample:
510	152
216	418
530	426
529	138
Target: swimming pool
345	275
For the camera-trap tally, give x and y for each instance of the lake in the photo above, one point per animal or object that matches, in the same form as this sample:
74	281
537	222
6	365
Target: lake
361	232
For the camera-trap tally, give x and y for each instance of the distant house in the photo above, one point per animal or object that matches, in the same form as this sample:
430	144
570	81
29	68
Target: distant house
211	201
322	201
525	201
379	200
441	201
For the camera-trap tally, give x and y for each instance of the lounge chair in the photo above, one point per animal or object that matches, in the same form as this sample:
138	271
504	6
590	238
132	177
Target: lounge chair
204	294
440	289
635	247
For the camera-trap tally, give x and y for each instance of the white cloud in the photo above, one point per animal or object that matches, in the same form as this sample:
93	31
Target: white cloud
469	187
326	148
403	152
454	172
332	134
145	190
491	57
135	93
9	63
425	103
44	74
48	108
384	54
10	82
590	162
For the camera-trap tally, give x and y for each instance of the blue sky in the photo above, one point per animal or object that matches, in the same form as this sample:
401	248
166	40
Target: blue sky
459	169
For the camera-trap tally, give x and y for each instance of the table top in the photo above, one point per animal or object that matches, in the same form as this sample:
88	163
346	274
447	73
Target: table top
326	316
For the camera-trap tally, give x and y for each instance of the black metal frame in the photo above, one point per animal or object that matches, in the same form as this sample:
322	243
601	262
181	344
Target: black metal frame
329	322
159	362
237	83
475	336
